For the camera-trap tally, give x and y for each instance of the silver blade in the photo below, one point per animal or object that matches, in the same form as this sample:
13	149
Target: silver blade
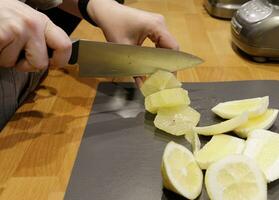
100	59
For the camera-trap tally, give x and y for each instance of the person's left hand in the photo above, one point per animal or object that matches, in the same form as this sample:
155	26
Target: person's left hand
125	25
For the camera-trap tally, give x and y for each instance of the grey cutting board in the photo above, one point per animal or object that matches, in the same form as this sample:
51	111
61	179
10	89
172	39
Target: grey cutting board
120	153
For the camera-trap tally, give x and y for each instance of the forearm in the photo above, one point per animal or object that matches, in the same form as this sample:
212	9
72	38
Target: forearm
71	6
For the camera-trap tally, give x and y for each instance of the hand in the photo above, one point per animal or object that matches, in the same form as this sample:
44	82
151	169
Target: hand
122	24
24	29
127	25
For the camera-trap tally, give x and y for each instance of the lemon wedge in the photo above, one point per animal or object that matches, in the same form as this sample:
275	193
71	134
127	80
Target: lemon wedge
222	127
264	121
217	148
263	146
180	172
230	109
160	80
235	177
166	98
194	140
176	120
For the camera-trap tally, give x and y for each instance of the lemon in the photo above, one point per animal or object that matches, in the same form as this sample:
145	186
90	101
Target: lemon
166	98
235	177
223	127
194	140
217	148
263	146
264	121
180	172
176	120
160	80
230	109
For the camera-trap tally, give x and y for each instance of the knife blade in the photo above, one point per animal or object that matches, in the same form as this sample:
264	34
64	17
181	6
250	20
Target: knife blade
102	59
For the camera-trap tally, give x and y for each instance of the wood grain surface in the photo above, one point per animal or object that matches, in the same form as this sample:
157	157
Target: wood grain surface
38	147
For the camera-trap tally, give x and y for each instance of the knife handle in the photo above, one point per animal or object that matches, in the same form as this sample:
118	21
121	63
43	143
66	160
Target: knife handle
73	58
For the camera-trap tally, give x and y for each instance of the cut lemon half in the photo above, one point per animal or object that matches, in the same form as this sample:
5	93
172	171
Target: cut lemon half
217	148
181	174
263	146
194	140
235	177
177	120
166	98
264	121
223	127
160	80
254	107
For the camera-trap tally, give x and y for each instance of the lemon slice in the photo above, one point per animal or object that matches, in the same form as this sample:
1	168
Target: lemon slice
264	121
181	174
217	148
160	80
177	120
194	140
235	177
230	109
223	127
263	146
166	98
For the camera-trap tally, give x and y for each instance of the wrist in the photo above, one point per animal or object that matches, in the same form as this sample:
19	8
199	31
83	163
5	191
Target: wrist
98	10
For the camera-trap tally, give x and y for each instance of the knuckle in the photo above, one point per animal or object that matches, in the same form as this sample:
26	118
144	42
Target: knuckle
159	19
42	64
34	22
30	23
66	45
4	37
16	29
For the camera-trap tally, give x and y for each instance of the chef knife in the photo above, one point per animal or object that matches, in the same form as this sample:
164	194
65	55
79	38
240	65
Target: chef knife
100	59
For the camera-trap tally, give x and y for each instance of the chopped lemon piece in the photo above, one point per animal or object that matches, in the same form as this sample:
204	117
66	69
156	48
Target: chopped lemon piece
177	120
263	146
230	109
223	127
235	177
160	80
181	174
166	98
194	140
217	148
264	121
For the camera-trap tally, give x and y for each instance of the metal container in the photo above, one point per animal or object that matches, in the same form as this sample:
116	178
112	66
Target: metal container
223	8
255	29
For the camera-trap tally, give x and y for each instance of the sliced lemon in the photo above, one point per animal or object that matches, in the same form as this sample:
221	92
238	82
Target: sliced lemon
181	174
177	120
235	177
223	127
263	146
217	148
230	109
166	98
264	121
160	80
194	140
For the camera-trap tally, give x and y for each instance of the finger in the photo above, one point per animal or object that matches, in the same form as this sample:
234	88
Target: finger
165	40
59	41
25	66
36	56
139	80
6	37
9	55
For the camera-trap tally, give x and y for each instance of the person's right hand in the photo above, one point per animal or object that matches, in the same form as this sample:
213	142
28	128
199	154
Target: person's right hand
22	28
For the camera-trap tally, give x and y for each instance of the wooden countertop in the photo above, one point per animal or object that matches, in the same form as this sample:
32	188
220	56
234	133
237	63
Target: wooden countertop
39	145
